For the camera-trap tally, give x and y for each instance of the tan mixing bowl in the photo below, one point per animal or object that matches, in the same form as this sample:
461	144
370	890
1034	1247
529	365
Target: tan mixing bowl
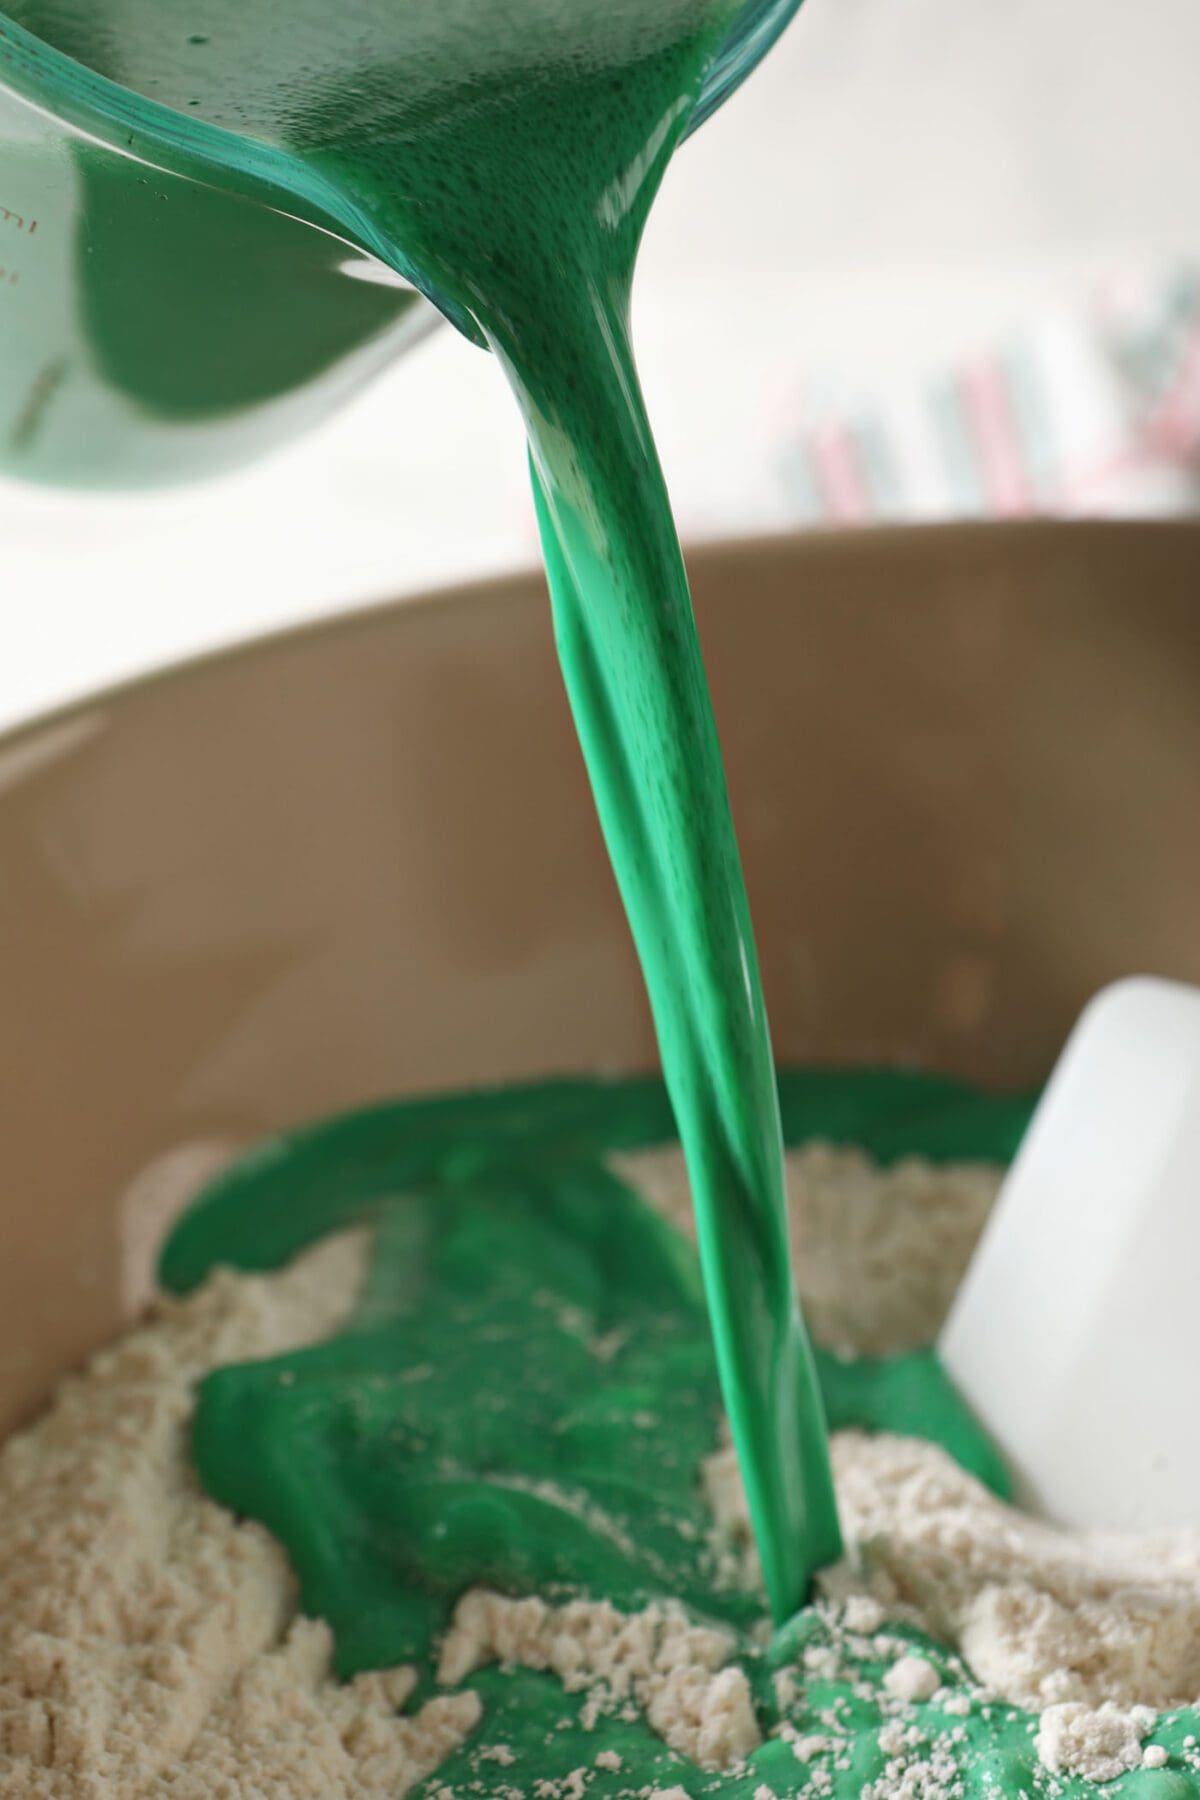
361	860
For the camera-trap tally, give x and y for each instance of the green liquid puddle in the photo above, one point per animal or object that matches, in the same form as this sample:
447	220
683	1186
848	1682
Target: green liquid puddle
523	1399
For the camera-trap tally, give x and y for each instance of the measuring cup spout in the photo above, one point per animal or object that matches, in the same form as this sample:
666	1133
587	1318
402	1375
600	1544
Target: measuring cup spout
176	297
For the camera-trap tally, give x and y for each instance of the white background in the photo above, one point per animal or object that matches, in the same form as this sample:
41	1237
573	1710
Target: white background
901	179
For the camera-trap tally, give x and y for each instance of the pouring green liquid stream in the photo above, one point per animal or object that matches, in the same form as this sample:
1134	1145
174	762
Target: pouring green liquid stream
544	268
505	159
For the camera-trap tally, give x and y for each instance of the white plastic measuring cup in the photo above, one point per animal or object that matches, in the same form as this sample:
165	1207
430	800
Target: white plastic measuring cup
1076	1333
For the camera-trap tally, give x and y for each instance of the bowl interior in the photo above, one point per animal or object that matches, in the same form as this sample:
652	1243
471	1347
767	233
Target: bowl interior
362	860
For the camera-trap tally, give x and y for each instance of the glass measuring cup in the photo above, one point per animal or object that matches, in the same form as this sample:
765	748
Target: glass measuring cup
176	298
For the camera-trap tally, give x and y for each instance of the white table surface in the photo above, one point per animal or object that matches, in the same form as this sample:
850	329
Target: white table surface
902	179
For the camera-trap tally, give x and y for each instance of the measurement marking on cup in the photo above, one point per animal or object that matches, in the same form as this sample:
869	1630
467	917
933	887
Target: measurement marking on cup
42	390
18	221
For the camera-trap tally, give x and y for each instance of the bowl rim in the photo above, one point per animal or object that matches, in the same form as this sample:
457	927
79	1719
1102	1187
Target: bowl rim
851	542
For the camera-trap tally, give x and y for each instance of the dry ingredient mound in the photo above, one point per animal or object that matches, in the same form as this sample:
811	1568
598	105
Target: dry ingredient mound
878	1252
672	1670
150	1646
1094	1632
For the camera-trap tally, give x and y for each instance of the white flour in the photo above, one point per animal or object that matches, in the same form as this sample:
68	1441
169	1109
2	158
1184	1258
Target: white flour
674	1670
150	1647
149	1644
1094	1633
878	1252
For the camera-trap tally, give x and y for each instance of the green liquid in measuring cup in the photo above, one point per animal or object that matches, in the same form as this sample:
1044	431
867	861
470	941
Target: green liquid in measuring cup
505	159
